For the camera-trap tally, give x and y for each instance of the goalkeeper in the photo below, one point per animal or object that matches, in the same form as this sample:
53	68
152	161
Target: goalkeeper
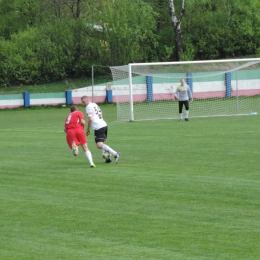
184	95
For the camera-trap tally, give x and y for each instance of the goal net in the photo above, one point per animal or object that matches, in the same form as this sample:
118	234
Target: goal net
145	91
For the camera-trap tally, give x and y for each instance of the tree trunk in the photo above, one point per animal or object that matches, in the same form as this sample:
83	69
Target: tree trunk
176	23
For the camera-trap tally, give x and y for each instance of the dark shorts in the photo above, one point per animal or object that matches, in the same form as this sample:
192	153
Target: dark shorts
185	103
101	134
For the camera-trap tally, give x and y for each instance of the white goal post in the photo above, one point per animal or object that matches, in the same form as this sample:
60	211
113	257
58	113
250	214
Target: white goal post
145	91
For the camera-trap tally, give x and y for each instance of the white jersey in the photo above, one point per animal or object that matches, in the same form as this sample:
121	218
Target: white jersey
94	111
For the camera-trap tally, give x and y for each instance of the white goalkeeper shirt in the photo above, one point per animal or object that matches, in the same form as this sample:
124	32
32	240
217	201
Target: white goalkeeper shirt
183	92
94	111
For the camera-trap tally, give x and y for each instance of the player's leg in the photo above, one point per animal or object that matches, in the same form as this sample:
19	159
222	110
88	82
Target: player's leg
88	155
100	145
81	139
186	104
71	141
180	110
107	148
100	137
75	149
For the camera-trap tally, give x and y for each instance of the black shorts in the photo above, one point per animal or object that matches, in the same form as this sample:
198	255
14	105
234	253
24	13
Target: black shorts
101	134
185	103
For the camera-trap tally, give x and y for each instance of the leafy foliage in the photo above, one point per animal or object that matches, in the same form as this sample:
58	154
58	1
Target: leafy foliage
44	41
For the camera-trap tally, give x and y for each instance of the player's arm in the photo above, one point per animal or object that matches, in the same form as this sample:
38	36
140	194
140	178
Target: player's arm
176	93
82	122
89	125
89	112
81	119
190	95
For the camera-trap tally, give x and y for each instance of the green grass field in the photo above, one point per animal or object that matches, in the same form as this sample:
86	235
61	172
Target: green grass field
181	190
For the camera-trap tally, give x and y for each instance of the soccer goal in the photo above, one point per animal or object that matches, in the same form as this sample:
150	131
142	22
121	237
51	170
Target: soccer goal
145	91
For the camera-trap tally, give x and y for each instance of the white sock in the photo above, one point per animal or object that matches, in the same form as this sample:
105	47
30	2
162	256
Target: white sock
109	149
187	113
89	156
180	115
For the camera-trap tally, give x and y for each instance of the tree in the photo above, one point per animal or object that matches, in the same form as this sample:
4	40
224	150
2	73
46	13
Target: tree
47	40
222	29
13	17
119	33
176	23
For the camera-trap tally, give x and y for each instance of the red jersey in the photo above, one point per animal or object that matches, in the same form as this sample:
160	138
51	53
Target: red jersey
73	120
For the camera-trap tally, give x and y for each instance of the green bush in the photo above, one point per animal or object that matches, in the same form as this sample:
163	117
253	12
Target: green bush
44	54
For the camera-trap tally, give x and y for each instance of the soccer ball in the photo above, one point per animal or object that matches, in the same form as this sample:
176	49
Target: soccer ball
106	155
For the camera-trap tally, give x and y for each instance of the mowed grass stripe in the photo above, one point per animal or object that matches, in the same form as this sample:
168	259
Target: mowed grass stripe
186	190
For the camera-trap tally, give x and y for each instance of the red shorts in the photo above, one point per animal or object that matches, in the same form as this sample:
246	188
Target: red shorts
77	135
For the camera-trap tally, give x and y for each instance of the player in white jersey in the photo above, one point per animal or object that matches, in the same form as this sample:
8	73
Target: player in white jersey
183	94
99	125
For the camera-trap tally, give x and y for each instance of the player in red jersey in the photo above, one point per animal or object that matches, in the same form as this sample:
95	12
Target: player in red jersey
75	135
